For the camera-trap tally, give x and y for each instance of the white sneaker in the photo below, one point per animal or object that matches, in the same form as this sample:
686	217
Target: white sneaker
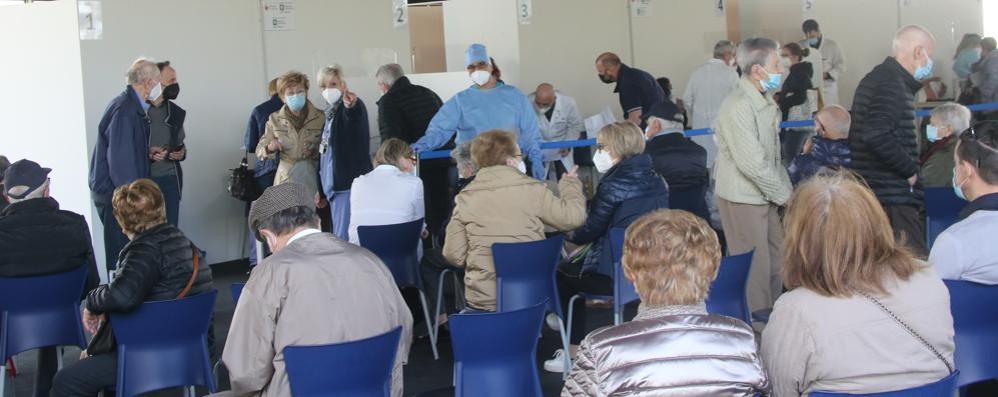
553	322
557	363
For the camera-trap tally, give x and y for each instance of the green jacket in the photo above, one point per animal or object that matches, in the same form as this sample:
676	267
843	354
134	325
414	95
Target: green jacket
938	168
749	167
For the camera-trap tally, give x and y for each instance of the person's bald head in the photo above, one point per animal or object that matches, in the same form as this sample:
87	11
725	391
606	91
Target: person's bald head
544	96
913	45
834	122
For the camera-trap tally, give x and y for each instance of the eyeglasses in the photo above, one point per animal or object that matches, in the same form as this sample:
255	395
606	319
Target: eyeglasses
414	158
600	146
971	134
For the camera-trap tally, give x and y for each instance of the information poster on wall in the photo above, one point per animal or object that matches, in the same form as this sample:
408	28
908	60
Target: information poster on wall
400	13
641	8
91	20
524	11
278	15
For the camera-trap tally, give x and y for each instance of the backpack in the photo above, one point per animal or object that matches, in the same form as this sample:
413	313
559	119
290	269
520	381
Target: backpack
242	183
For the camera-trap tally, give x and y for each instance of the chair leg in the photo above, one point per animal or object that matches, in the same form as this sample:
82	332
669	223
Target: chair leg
59	351
189	391
3	377
440	298
214	371
567	332
565	345
429	325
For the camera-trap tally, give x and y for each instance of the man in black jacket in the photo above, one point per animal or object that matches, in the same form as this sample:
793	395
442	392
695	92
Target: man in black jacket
882	139
682	162
37	238
404	112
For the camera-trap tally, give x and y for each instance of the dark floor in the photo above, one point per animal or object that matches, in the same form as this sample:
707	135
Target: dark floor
422	374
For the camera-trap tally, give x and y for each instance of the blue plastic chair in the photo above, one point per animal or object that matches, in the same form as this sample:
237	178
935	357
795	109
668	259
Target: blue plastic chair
30	320
495	353
164	344
728	291
623	289
693	201
236	290
942	208
398	247
944	387
525	276
975	321
361	368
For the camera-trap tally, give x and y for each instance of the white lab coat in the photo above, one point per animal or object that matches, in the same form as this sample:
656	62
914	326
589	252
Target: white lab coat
706	89
384	196
833	62
565	125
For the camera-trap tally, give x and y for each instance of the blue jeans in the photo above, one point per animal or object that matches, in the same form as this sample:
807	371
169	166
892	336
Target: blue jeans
340	205
170	186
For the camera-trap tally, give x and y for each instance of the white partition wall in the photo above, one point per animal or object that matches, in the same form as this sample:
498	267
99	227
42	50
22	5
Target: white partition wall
42	97
216	48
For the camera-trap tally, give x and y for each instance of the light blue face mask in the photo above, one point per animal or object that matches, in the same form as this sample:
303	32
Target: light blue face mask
956	187
931	133
296	101
812	41
923	72
772	83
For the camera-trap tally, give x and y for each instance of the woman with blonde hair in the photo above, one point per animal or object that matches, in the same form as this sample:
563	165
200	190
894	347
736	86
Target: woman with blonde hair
391	193
862	314
292	134
672	347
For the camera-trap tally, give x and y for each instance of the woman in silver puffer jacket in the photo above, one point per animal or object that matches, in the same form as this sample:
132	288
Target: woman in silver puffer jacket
673	347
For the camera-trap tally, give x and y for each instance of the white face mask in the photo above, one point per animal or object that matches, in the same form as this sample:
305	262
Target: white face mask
602	161
331	95
522	167
480	77
156	92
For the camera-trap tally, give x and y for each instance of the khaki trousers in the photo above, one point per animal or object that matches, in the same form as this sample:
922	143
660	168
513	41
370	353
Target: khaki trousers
750	227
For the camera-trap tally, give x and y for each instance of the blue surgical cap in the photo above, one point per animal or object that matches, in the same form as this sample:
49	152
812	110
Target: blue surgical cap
475	53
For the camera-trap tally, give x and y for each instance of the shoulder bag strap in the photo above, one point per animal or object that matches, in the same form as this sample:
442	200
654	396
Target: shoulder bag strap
194	275
907	328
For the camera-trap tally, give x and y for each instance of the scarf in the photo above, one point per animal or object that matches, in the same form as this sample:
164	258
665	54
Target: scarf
298	121
937	146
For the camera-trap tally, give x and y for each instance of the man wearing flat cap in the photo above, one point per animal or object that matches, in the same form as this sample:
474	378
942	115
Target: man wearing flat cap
37	239
315	289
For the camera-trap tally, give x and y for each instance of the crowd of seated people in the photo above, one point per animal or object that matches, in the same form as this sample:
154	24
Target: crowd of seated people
839	256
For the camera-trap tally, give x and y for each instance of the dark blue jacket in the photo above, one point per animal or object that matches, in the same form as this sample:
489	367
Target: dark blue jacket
350	139
628	190
637	89
254	130
825	153
121	154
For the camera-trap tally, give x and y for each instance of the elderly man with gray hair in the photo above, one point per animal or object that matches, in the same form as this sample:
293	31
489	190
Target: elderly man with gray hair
751	181
882	141
404	112
121	154
315	289
942	133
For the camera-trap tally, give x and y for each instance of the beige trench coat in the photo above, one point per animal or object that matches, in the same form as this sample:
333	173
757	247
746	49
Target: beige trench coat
301	147
503	205
317	290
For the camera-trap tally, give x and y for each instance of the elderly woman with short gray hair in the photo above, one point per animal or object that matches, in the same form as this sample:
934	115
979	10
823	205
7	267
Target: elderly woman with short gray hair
345	146
943	131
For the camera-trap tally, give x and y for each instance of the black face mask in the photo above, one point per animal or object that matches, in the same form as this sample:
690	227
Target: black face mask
606	79
171	91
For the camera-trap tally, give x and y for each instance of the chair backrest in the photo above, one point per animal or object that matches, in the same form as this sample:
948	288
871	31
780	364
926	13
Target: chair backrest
944	387
728	291
237	290
495	353
361	368
164	344
942	207
41	311
623	289
975	321
398	246
525	274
